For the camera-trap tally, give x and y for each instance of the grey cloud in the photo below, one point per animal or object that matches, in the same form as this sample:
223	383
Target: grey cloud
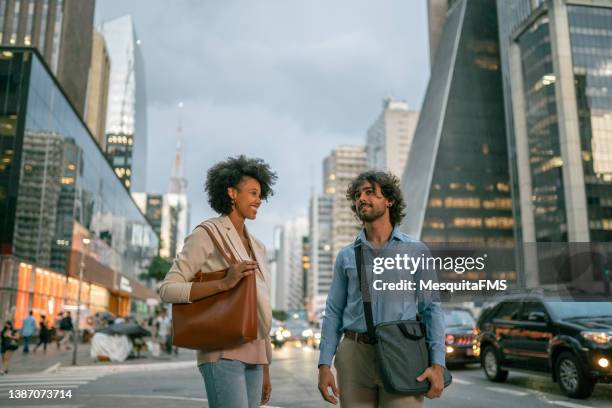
283	80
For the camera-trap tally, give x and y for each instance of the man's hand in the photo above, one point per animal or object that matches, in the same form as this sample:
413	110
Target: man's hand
327	381
435	375
266	389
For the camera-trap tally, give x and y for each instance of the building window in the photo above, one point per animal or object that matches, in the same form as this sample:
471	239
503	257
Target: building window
467	222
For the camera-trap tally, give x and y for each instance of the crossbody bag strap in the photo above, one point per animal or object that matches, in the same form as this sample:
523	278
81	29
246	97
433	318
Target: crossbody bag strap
230	259
364	290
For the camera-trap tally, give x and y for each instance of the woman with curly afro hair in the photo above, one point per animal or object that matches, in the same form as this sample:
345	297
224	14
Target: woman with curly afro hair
236	376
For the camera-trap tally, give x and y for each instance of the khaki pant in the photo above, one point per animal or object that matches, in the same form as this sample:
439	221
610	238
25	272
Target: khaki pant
359	380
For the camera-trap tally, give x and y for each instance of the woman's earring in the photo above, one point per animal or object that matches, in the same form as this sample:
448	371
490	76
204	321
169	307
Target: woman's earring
233	202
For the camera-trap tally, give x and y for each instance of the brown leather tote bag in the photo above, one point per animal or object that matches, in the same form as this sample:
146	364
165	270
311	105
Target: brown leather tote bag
220	321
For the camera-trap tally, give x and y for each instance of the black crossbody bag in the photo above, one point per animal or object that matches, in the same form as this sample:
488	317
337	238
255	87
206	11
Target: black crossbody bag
401	348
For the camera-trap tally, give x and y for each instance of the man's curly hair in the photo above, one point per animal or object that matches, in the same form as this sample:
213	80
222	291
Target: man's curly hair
390	188
229	173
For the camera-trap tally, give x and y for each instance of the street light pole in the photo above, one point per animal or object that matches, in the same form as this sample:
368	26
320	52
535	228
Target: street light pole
75	337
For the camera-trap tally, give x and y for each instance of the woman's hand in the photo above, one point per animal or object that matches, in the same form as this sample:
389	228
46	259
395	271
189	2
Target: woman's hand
266	389
238	271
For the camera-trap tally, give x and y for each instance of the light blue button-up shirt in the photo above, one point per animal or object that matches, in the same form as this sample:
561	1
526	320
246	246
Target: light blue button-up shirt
29	326
344	308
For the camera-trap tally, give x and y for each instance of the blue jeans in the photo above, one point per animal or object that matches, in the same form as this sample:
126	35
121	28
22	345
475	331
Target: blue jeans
26	344
232	384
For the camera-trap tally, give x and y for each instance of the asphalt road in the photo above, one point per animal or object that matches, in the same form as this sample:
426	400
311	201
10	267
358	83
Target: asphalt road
294	375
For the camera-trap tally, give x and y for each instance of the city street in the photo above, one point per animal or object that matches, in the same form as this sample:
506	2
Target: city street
159	384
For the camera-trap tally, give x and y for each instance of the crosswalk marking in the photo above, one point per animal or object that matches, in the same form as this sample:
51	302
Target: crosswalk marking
47	380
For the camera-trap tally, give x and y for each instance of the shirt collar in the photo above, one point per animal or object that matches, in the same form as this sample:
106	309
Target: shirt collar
395	235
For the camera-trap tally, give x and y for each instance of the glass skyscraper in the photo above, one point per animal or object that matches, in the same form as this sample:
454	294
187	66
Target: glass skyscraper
456	180
61	30
557	64
126	118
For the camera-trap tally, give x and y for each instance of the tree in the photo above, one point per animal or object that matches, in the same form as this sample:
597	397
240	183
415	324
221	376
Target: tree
280	315
157	269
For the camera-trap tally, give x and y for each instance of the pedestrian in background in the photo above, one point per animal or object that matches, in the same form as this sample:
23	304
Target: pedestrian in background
58	335
9	344
67	329
29	326
236	376
164	327
43	334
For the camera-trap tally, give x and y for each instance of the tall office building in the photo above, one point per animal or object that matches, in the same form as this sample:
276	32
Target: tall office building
61	30
174	225
436	16
168	215
339	169
97	89
456	181
389	139
126	118
556	61
151	206
289	265
321	268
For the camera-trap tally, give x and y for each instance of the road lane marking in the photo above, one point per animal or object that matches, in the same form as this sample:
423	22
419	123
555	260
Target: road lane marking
460	381
568	404
507	391
14	378
36	386
165	397
46	383
152	397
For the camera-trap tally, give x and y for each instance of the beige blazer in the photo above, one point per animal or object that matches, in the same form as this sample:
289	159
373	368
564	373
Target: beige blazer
200	254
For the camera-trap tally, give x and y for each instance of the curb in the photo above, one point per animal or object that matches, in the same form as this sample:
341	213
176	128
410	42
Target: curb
156	366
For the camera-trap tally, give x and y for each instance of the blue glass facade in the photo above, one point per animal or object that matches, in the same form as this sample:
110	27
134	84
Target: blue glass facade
56	185
590	37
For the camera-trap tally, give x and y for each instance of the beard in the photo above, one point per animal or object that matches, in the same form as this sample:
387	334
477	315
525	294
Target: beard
371	215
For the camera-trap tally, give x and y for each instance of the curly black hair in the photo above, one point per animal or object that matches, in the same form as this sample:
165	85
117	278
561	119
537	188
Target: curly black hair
229	173
390	188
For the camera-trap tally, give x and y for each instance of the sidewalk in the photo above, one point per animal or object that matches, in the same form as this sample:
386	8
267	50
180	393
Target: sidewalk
21	363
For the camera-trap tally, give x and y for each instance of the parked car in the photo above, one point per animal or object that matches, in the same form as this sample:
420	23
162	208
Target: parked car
459	337
571	341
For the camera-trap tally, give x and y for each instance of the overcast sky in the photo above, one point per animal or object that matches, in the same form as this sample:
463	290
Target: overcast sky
284	80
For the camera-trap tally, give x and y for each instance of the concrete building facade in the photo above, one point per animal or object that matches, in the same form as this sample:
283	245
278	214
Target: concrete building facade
289	265
342	165
389	138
